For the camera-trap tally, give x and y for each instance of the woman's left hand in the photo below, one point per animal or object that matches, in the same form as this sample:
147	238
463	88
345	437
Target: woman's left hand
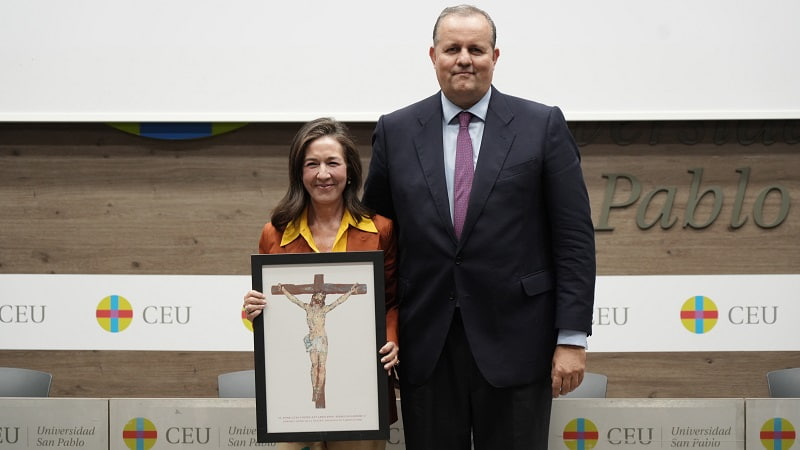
391	356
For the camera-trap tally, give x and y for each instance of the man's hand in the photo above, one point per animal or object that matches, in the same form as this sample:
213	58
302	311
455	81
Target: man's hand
569	364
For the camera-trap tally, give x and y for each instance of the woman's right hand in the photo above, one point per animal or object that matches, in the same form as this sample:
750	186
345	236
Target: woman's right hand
254	303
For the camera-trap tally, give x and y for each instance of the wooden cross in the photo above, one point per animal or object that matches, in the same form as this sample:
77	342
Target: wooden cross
319	286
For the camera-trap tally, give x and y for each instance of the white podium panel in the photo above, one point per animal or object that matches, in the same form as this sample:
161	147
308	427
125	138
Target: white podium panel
647	423
182	423
63	423
772	422
213	423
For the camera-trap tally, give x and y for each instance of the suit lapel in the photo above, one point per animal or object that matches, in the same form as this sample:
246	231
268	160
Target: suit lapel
430	151
495	145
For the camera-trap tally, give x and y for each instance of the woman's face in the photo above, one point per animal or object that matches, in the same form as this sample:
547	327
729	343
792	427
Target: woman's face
324	171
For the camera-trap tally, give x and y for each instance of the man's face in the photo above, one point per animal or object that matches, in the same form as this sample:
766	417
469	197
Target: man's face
463	58
318	299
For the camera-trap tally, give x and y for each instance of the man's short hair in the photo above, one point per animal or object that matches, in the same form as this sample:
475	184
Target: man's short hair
464	10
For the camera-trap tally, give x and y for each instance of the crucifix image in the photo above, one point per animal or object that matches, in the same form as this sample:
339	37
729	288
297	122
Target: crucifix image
316	341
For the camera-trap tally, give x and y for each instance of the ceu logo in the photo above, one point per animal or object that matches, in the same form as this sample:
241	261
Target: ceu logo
580	434
139	434
247	323
114	313
777	434
699	314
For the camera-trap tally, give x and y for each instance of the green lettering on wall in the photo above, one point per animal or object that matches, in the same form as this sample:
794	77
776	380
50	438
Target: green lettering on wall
736	216
695	199
697	196
665	216
608	198
758	208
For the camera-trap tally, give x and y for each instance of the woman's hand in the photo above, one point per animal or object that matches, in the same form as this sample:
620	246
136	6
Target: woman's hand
391	356
254	303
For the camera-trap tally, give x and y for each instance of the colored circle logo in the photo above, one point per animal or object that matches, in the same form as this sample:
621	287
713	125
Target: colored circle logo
176	130
699	314
580	434
777	434
114	313
247	323
139	434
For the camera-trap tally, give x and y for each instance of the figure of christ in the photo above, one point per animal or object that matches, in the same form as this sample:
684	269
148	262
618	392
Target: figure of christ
316	341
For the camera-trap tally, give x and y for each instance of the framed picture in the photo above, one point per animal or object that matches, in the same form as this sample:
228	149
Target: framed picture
318	371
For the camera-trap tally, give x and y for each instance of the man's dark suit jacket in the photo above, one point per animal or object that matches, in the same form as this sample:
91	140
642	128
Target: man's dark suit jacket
525	265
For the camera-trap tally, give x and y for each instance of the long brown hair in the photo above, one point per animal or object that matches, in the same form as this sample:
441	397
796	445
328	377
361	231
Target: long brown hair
296	199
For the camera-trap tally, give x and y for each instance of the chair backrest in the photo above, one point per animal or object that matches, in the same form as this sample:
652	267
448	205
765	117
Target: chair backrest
241	384
593	386
18	382
784	383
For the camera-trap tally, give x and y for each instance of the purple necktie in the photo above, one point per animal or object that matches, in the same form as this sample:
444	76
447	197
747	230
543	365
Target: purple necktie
464	170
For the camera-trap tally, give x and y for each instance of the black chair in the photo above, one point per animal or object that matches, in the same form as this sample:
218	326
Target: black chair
241	384
784	383
18	382
593	386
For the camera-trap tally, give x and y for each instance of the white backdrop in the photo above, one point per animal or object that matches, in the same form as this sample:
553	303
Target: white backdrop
255	60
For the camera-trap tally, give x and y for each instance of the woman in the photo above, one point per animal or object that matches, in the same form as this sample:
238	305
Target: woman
321	212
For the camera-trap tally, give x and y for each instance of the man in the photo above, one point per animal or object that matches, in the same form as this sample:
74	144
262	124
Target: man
494	312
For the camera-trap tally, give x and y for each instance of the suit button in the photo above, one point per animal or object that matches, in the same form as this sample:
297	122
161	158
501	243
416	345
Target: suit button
458	261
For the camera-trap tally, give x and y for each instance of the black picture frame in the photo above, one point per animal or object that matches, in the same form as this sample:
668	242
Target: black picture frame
350	401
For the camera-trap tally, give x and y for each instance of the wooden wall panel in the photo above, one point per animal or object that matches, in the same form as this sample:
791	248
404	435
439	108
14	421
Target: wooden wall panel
87	198
666	162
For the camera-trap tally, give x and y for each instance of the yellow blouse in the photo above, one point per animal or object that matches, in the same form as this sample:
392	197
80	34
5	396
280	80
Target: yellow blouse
299	227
